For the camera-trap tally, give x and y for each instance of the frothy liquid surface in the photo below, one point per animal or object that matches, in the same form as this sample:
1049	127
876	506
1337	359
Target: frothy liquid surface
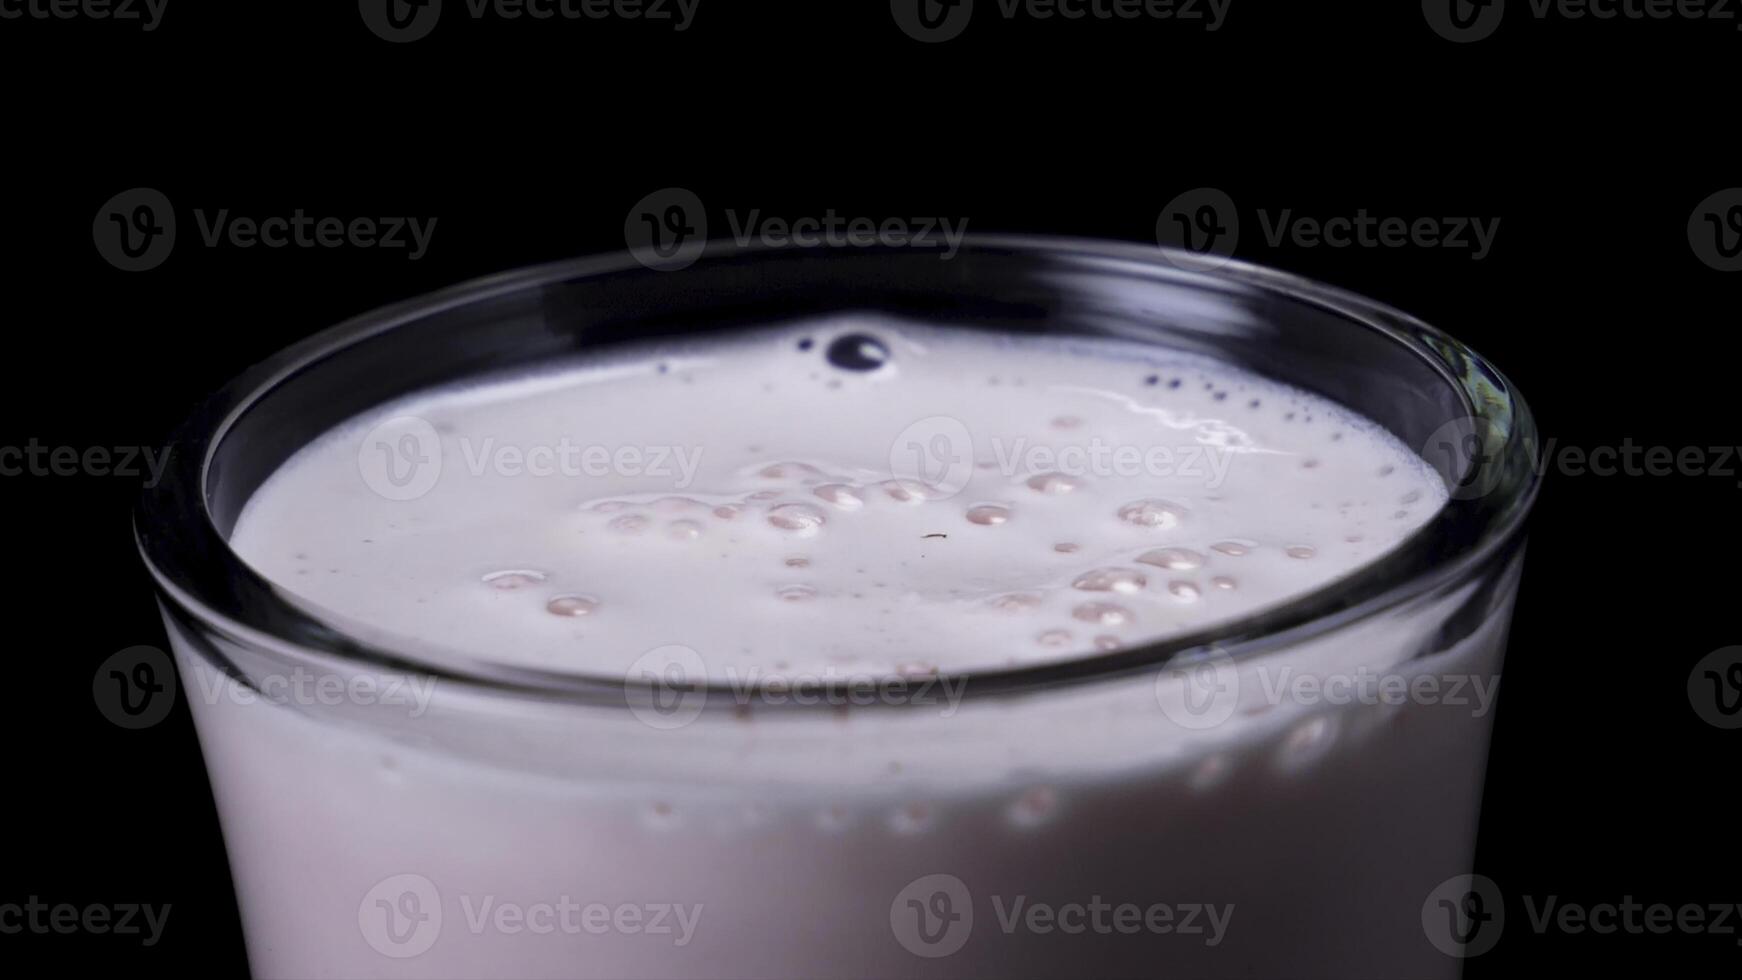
850	500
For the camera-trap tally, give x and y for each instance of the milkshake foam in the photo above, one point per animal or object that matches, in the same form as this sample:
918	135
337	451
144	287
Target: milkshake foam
852	498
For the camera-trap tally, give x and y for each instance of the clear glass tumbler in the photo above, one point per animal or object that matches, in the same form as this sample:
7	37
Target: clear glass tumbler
1292	794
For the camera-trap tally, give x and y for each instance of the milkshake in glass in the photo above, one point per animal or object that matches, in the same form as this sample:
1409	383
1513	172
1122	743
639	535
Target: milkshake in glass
1053	610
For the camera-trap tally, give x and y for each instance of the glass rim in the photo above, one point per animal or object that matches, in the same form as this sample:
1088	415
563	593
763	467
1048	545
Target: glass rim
175	529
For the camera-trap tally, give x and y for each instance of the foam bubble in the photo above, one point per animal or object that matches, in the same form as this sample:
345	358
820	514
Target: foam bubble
1152	512
676	505
840	495
793	471
1306	744
988	514
572	605
858	352
1174	559
683	530
1034	807
802	519
661	815
905	491
510	579
1209	773
911	818
1053	484
1123	580
1104	613
628	524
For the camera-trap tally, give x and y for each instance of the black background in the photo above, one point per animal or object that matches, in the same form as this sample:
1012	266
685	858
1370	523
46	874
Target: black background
1592	141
